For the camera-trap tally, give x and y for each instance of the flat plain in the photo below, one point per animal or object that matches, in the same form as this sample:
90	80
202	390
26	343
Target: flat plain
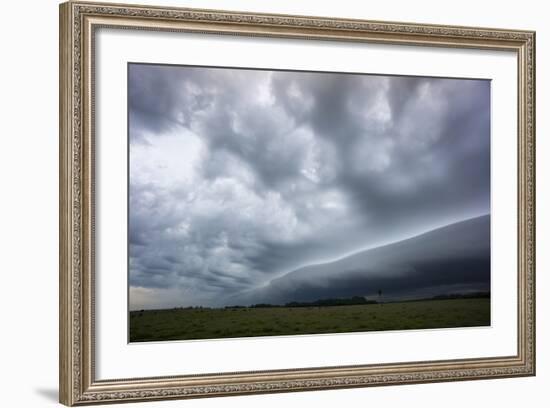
210	323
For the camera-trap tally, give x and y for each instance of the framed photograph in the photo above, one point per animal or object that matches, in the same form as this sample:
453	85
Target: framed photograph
256	203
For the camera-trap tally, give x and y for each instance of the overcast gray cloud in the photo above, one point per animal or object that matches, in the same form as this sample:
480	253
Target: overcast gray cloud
238	177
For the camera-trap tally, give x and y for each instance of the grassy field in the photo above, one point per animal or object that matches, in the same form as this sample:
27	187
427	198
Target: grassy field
186	324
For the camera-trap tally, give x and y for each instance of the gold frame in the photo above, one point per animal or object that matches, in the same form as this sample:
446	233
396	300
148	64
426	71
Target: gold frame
78	21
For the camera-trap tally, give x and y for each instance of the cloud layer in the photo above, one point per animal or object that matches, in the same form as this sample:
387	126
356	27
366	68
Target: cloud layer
240	176
448	260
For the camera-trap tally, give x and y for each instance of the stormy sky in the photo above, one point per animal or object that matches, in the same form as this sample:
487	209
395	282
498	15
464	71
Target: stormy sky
238	177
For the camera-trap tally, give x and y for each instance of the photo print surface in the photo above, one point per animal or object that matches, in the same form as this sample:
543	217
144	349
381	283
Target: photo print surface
270	202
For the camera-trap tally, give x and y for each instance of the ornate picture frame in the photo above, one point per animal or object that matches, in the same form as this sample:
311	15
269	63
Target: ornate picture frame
79	22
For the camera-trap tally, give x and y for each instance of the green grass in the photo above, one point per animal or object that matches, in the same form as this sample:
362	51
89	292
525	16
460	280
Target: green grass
187	324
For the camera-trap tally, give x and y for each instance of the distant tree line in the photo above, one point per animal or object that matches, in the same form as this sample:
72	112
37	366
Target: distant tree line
354	300
449	296
471	295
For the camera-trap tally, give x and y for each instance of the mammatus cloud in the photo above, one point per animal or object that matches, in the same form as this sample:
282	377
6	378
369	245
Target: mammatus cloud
240	176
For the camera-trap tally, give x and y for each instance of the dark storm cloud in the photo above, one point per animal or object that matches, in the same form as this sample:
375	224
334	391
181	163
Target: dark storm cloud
406	269
431	155
240	176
